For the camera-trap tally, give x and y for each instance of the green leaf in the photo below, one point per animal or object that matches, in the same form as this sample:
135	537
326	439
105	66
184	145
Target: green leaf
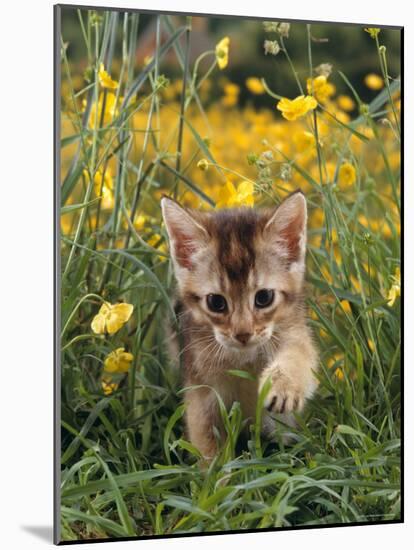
143	75
122	480
264	481
107	525
74	207
346	126
120	503
93	415
344	429
185	504
68	140
354	92
242	374
187	446
259	413
189	183
201	143
70	181
150	274
178	413
339	292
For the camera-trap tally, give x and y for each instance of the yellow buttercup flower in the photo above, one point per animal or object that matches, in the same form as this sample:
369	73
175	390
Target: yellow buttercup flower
118	361
155	242
346	103
346	307
105	80
226	195
254	85
393	294
245	193
103	186
373	81
140	221
108	106
395	290
65	224
339	373
108	386
231	96
292	109
111	317
397	276
304	141
337	361
342	117
231	88
386	231
229	100
346	174
222	52
230	196
320	88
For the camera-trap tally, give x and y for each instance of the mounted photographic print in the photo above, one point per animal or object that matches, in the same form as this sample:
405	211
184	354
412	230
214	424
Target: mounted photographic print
228	274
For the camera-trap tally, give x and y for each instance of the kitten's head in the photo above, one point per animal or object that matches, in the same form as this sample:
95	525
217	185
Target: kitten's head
239	270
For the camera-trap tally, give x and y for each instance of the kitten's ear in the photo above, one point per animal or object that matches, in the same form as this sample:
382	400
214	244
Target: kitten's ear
186	235
287	228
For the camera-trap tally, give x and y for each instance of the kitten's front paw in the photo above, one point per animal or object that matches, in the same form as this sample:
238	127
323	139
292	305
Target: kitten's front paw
284	396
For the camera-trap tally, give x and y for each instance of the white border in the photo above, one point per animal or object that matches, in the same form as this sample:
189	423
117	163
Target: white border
26	312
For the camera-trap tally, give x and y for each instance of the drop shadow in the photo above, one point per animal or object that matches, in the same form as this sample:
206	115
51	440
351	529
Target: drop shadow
43	532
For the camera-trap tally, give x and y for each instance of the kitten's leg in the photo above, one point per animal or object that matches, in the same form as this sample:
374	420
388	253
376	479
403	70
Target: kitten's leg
201	416
291	373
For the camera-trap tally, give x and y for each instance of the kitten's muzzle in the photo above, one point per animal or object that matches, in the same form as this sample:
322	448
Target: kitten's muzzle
243	337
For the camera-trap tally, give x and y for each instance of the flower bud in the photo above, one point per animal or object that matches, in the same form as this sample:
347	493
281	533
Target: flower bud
252	158
373	31
96	18
367	238
286	172
162	81
203	165
267	155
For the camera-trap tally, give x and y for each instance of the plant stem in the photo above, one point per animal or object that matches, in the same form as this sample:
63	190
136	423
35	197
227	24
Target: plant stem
295	74
182	105
91	167
384	70
315	117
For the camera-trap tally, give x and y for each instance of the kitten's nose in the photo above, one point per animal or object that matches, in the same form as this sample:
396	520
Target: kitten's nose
243	337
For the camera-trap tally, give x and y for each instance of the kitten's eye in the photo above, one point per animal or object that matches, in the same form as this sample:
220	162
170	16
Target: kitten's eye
264	298
216	303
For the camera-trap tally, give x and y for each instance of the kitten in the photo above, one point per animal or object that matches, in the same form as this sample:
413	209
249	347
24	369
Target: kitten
240	276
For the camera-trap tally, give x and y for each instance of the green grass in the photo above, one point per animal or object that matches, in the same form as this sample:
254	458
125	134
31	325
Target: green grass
127	468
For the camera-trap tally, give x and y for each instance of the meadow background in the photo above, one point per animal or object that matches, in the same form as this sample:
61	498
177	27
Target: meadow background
153	104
